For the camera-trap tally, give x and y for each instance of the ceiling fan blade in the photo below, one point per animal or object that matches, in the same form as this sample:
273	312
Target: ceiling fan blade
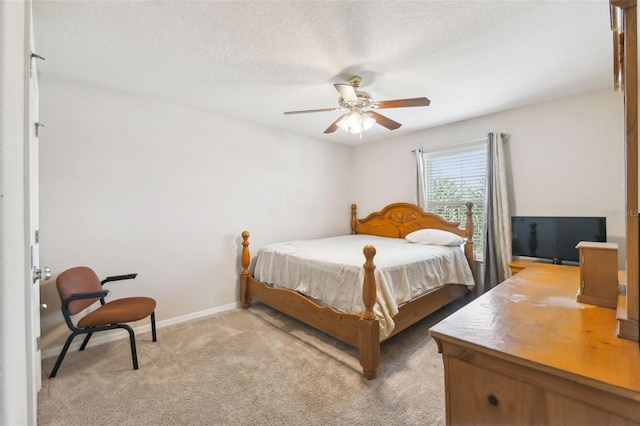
334	125
312	110
347	92
402	103
385	121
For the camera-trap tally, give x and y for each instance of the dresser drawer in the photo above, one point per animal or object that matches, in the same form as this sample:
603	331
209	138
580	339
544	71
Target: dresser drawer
480	396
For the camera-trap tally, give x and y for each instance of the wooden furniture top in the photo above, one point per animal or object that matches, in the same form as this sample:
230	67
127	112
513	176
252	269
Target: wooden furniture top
594	245
534	320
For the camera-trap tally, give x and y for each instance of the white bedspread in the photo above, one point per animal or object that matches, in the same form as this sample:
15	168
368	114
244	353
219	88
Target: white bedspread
330	271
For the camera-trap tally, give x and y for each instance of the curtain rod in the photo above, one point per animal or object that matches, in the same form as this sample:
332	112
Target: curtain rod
451	145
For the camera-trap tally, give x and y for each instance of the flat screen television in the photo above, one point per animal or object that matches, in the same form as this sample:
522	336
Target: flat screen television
555	237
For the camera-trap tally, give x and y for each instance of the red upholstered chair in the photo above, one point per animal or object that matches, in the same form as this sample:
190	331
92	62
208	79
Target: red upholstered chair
79	288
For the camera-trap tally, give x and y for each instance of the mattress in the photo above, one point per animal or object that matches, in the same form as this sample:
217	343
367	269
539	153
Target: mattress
330	271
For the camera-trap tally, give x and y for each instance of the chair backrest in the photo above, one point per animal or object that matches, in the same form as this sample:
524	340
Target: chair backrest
80	279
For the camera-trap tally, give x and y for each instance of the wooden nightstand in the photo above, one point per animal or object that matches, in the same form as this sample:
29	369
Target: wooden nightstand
518	265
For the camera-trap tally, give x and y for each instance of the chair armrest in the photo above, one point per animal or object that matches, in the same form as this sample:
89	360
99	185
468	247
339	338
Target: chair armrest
118	278
80	296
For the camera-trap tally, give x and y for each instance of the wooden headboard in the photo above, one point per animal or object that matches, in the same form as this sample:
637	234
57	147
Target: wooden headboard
397	220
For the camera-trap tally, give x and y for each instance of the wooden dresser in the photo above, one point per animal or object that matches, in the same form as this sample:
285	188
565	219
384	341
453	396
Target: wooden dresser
528	353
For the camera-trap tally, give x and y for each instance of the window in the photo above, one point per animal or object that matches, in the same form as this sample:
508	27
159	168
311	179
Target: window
452	176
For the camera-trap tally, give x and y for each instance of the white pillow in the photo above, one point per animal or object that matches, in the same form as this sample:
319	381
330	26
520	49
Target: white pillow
435	237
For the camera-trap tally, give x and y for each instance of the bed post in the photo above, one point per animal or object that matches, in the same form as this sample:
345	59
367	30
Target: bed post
354	221
244	278
368	325
468	247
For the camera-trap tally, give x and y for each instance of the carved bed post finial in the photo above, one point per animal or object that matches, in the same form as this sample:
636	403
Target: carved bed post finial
469	226
246	259
369	284
369	328
468	247
354	221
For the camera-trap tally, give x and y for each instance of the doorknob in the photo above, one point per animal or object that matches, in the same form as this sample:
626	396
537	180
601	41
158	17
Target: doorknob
41	274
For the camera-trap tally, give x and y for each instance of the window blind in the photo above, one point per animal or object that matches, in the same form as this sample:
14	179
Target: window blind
453	176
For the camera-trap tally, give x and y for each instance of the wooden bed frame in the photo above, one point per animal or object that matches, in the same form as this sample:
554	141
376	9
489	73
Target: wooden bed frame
362	331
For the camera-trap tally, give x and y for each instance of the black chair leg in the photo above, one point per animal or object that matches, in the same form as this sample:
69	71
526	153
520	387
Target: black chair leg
153	326
132	339
86	340
62	355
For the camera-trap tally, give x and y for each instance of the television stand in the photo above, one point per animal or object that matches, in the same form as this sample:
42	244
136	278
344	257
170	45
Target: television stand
518	265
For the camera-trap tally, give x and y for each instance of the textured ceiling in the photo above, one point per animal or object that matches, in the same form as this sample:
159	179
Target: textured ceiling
253	60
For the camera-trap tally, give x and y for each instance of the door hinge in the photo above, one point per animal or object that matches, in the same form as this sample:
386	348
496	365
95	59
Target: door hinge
38	125
33	55
38	343
37	236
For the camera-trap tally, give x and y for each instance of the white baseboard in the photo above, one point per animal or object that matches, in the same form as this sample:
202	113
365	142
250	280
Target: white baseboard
101	338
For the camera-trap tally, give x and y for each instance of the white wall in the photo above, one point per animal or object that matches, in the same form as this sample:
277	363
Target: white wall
132	184
566	158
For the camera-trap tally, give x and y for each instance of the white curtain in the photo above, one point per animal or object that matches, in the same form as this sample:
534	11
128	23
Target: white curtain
497	221
420	179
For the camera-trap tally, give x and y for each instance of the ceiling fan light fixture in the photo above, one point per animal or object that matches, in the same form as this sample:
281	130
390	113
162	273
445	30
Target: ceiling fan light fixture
356	122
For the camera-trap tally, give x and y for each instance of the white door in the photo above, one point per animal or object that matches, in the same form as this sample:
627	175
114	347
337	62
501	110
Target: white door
37	272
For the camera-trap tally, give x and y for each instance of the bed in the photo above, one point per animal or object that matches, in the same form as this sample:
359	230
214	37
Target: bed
379	311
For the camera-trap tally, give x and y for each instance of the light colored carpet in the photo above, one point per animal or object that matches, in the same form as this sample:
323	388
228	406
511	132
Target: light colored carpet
247	367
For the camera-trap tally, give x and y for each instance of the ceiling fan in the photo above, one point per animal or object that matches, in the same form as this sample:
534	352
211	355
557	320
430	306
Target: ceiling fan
360	106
